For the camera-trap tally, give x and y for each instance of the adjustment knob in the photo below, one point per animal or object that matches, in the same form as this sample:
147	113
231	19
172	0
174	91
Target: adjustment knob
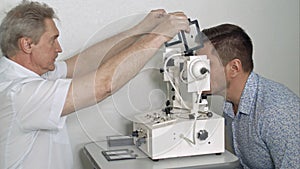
209	114
161	70
202	135
203	70
135	133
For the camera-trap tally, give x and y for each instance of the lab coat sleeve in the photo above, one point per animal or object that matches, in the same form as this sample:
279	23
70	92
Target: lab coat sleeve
38	103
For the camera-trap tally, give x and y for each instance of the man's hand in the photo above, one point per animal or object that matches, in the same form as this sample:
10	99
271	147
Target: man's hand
172	24
154	18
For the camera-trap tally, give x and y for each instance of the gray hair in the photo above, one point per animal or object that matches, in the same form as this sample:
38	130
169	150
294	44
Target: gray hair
25	20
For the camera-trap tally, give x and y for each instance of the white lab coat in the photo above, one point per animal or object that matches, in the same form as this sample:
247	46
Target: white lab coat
32	133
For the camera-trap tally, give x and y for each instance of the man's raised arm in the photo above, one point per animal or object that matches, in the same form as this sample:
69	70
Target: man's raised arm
89	89
91	58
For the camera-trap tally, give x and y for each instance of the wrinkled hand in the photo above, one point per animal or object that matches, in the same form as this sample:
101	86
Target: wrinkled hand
172	24
153	18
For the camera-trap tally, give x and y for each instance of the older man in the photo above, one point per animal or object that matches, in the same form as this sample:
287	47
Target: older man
37	92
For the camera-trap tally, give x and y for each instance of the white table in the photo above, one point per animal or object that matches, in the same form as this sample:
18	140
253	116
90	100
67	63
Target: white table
94	159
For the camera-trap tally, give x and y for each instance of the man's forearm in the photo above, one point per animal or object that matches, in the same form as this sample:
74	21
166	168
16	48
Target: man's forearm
126	65
92	57
110	76
123	63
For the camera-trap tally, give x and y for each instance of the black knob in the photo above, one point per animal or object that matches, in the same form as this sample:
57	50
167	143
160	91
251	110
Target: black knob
203	70
209	114
135	133
168	110
203	96
202	135
168	103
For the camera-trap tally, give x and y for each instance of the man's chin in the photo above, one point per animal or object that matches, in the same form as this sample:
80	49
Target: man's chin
51	68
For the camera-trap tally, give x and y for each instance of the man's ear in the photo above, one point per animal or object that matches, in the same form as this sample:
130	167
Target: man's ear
234	67
25	44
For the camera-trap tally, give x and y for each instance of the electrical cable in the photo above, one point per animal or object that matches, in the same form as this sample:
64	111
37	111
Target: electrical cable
171	81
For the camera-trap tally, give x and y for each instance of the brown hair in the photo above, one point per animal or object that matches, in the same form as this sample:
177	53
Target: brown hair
231	42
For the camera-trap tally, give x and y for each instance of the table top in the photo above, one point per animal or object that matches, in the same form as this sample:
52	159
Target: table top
93	151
